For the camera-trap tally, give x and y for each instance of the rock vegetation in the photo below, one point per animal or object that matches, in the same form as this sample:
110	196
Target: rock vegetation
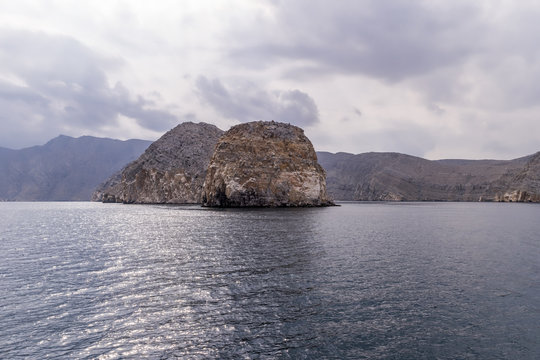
264	164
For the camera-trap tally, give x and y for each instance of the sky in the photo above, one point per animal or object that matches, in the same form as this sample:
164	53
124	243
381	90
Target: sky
436	79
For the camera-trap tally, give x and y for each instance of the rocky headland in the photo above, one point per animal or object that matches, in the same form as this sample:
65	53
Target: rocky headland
264	164
171	171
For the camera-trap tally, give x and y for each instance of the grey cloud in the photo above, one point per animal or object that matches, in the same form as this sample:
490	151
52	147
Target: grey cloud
10	92
62	83
436	109
21	117
412	140
473	54
506	84
391	40
406	138
247	102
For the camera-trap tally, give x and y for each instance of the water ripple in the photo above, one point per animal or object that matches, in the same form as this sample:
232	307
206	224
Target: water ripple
362	281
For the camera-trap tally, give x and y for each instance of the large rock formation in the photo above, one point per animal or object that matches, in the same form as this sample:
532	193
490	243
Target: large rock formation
171	170
264	164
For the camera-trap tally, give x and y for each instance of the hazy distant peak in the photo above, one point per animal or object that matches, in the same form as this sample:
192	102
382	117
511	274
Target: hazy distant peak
65	168
59	138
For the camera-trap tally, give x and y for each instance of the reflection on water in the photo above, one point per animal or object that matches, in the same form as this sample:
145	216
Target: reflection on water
85	280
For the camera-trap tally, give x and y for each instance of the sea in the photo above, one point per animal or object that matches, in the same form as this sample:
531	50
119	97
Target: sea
82	280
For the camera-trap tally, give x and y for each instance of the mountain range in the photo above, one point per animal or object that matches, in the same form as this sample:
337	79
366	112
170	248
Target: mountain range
65	168
394	176
69	168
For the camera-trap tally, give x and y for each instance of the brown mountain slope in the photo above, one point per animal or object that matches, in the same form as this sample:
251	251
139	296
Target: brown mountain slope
393	176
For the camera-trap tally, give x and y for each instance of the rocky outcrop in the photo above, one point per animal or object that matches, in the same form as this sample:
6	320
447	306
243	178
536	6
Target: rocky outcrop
264	164
109	191
517	196
519	185
172	170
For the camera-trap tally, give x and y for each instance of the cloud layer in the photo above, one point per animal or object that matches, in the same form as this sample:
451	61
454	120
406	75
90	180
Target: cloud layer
247	102
54	84
431	78
388	40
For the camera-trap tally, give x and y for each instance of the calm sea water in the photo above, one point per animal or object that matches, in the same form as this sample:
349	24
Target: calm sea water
360	281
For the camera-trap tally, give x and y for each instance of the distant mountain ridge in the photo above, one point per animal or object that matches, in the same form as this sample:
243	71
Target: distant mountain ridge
399	177
69	168
65	168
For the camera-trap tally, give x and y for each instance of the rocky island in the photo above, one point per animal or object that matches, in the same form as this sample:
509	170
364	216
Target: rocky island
264	164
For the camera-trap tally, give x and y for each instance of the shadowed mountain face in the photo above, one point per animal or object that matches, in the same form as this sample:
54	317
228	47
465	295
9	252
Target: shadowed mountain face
65	168
393	176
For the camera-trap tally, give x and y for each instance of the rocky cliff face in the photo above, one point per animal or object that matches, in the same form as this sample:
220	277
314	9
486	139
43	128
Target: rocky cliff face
171	170
266	164
521	184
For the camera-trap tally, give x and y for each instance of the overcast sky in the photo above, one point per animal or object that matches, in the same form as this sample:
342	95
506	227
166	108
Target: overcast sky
437	79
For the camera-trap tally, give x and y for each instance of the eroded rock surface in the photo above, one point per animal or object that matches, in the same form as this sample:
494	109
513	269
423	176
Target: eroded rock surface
264	164
171	171
520	185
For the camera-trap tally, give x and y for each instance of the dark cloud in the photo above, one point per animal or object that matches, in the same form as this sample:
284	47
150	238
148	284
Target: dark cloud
391	40
436	109
474	54
52	83
247	102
